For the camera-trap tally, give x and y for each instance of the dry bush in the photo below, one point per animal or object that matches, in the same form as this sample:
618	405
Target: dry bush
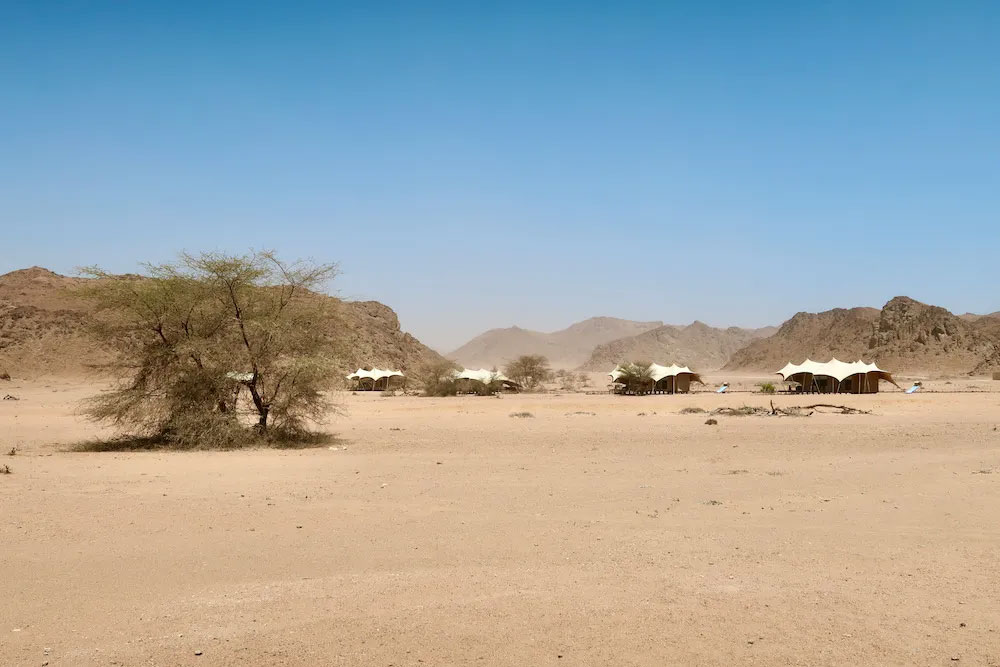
522	415
530	371
438	378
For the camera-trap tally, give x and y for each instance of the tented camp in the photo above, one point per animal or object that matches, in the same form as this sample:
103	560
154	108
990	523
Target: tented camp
469	381
835	377
671	379
375	380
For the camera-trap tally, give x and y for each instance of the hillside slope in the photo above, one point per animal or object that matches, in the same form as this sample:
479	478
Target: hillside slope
904	336
696	345
43	330
567	348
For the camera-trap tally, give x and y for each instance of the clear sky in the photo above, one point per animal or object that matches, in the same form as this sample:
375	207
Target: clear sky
476	165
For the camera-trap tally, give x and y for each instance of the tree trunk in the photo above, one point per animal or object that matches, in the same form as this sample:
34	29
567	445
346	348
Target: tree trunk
262	408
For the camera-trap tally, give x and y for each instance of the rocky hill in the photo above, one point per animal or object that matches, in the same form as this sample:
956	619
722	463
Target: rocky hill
904	336
567	348
697	345
43	330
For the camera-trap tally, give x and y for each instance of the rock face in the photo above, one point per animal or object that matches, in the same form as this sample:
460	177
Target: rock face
43	325
567	348
697	345
842	333
373	338
904	336
914	335
43	330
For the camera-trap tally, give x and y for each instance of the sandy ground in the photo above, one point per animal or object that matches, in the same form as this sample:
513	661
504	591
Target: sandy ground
450	533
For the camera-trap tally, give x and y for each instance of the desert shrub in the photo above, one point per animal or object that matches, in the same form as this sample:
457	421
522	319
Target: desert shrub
4	375
529	371
711	422
438	378
766	387
636	376
691	411
521	415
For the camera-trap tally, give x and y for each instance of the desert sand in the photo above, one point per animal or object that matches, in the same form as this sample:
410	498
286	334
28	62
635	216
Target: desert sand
443	531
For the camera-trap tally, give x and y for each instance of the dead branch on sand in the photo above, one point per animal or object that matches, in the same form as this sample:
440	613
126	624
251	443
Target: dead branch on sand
790	411
842	409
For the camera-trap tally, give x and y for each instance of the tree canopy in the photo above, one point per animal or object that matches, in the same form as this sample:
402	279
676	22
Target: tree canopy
529	371
193	336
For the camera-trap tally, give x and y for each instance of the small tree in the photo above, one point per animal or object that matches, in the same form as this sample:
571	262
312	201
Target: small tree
438	378
191	335
637	376
529	371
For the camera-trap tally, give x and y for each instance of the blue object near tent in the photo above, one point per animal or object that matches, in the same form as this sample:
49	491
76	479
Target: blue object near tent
722	389
914	389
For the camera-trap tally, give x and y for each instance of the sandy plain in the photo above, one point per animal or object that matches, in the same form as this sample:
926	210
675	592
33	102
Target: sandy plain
447	532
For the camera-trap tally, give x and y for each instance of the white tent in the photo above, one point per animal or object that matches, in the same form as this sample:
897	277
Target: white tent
486	377
670	379
376	378
835	376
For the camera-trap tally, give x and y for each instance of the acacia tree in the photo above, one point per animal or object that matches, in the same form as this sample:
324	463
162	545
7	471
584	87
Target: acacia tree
191	335
438	378
529	371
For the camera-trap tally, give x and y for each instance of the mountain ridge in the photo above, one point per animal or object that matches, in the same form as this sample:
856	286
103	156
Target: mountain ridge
905	335
565	348
44	322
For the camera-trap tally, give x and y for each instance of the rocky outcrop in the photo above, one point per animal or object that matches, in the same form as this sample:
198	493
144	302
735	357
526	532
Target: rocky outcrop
43	329
904	336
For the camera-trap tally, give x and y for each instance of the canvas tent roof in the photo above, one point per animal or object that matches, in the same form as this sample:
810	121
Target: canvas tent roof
839	370
481	375
659	372
373	374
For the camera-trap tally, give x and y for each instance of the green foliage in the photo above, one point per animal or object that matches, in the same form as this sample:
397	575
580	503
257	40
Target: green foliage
438	378
766	387
530	371
193	337
637	376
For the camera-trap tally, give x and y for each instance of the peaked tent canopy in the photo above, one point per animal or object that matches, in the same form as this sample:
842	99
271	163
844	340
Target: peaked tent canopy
670	379
375	379
836	376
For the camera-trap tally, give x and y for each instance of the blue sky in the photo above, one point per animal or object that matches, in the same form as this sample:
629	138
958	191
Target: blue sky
531	163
